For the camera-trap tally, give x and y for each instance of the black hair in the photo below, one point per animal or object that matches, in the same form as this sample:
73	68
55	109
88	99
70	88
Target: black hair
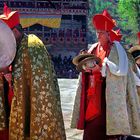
136	54
18	27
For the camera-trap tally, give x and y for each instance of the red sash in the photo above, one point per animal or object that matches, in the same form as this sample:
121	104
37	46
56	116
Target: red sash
8	77
4	134
81	121
93	109
90	101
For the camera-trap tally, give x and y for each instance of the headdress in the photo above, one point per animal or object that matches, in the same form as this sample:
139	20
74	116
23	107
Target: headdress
11	18
103	21
115	35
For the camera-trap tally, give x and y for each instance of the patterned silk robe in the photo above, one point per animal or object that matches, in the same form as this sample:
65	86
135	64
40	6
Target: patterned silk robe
3	121
5	102
36	108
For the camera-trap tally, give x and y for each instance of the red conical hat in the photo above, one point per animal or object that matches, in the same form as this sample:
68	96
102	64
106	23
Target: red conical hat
103	21
10	18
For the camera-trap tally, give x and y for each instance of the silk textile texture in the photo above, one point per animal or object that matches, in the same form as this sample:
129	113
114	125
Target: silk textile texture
36	111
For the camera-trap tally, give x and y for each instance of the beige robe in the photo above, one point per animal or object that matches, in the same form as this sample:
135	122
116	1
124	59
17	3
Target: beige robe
122	104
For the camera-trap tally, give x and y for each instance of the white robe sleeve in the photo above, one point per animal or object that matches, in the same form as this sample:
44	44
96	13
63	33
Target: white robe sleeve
137	79
122	68
137	76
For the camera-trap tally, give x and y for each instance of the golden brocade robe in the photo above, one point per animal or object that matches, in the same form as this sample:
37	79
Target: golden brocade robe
3	121
36	112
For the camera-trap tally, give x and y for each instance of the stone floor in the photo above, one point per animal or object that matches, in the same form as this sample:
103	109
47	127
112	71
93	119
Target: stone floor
68	91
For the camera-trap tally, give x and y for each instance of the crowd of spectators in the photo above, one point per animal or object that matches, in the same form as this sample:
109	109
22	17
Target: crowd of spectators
64	67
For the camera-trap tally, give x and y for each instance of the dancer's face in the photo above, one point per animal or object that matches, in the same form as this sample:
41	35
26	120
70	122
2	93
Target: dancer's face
138	62
103	37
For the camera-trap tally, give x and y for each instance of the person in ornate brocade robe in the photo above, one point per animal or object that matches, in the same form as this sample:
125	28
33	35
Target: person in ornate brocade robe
36	112
106	103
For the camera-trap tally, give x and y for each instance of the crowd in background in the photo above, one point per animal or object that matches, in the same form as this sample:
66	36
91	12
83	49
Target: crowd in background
64	67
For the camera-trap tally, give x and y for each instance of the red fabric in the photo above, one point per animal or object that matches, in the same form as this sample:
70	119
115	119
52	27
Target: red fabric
103	21
95	129
10	18
115	35
8	77
4	134
90	102
138	34
81	121
10	96
94	97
